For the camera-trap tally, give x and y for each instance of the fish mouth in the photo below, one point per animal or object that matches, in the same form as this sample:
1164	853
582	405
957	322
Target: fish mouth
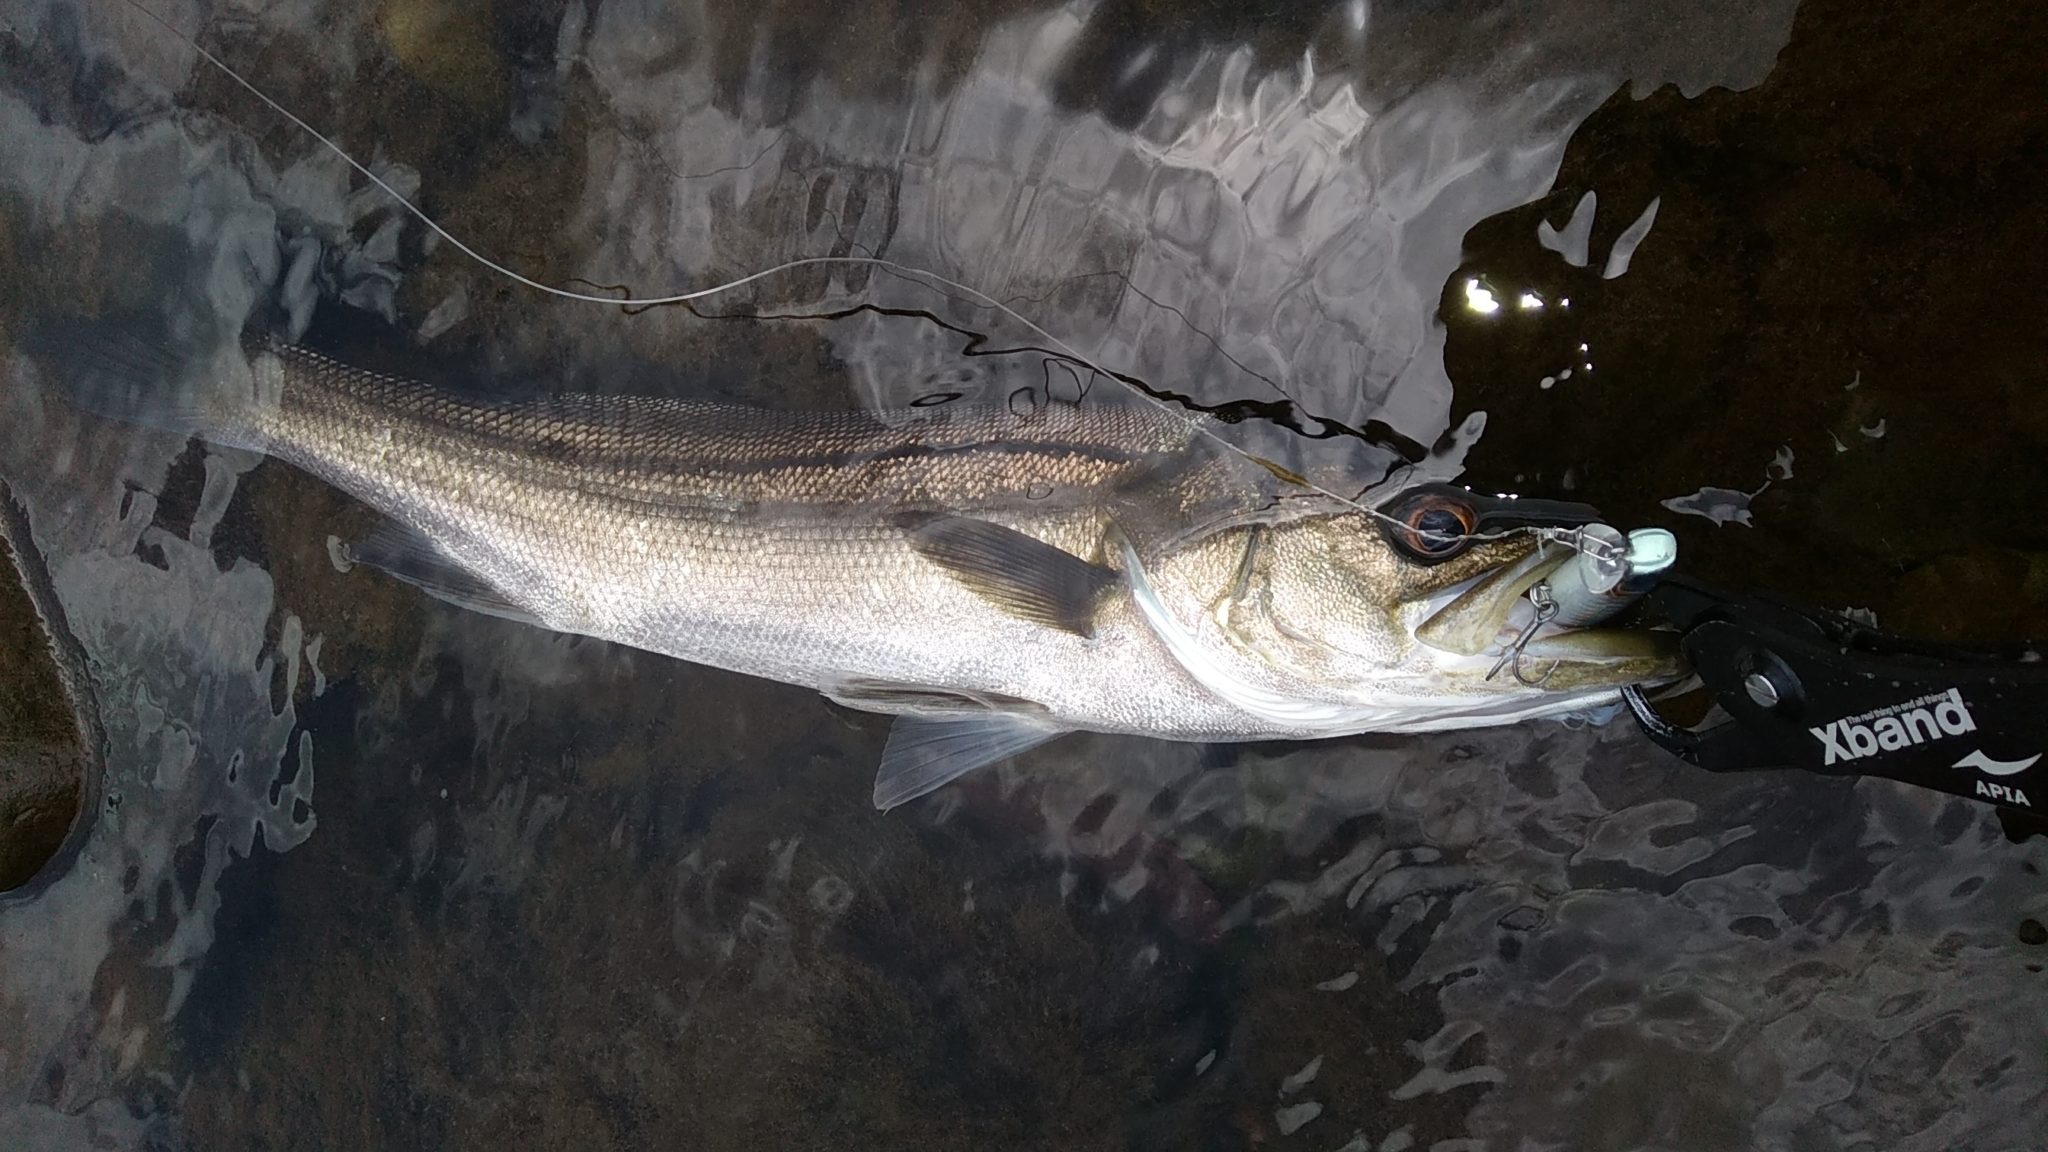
1492	623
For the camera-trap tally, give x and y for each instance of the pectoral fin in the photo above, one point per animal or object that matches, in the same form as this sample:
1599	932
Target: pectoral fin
927	753
404	555
1027	578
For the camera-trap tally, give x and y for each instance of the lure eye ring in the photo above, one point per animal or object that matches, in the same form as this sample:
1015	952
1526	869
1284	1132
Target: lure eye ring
1438	522
1431	525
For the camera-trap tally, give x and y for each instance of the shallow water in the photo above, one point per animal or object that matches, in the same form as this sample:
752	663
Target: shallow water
373	872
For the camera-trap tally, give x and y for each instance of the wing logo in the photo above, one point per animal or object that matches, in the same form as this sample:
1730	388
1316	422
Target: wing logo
1991	767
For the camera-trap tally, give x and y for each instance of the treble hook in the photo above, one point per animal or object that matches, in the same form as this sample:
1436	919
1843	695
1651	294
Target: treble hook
1546	610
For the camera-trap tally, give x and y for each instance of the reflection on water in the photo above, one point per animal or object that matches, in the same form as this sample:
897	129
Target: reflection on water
543	889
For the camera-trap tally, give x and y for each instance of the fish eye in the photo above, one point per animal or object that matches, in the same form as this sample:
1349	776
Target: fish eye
1434	525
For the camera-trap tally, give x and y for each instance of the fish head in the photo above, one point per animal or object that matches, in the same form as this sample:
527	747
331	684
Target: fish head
1329	623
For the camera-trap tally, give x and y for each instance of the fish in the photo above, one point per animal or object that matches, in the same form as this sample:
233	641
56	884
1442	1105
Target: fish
991	577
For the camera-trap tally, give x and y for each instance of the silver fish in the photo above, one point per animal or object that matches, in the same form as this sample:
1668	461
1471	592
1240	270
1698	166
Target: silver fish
993	578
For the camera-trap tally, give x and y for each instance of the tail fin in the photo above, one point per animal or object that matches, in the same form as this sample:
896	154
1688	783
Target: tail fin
132	368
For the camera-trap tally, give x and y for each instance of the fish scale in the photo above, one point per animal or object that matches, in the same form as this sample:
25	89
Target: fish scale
789	546
653	530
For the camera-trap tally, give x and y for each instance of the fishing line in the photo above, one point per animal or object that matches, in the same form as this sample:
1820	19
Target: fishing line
928	278
1287	414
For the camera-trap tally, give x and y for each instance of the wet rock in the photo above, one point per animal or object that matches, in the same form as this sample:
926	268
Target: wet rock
46	762
39	796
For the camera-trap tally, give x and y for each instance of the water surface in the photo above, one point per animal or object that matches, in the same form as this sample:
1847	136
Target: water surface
371	872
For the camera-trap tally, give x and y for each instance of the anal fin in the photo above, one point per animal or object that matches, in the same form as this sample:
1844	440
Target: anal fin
926	753
404	555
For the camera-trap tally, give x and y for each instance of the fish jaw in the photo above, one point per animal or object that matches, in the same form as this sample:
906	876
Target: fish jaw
1321	629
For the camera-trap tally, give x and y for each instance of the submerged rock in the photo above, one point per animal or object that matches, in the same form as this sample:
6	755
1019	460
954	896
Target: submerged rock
47	756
